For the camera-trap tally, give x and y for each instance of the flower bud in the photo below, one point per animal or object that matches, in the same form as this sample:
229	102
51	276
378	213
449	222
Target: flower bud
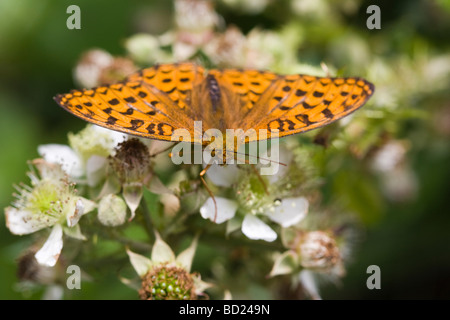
94	140
98	67
131	162
112	210
88	70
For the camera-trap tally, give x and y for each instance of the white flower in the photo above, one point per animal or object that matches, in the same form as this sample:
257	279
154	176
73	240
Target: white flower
195	22
256	229
195	16
166	276
146	49
228	49
63	155
86	155
287	263
389	157
311	254
227	175
289	212
248	6
227	210
317	9
87	73
51	202
285	212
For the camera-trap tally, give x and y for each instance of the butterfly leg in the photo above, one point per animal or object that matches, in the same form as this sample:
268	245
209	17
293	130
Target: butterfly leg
202	173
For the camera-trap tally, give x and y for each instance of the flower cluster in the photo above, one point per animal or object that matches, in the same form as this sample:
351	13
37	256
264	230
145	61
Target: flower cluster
51	202
114	171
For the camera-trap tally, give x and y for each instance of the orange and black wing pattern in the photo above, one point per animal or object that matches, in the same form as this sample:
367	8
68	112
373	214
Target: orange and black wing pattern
151	103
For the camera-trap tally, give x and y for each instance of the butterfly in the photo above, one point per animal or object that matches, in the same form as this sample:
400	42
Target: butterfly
156	101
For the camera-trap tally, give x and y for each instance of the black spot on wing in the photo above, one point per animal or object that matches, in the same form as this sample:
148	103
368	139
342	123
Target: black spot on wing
130	99
305	119
136	123
113	102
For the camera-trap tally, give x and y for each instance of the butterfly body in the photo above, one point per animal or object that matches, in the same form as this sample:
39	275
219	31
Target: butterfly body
156	101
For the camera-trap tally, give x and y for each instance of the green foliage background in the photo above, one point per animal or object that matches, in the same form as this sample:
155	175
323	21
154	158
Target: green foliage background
408	240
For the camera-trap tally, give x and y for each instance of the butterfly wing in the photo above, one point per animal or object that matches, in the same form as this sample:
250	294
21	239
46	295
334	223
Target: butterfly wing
302	103
151	103
294	103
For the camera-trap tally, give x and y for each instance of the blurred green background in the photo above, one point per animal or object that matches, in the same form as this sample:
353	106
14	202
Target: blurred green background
409	240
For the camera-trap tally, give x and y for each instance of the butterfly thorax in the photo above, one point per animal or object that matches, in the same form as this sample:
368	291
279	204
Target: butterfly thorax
219	109
215	104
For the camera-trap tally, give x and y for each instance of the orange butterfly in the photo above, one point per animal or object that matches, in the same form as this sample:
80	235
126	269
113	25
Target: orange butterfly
156	101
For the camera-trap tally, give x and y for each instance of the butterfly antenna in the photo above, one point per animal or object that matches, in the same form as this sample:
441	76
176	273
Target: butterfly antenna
202	173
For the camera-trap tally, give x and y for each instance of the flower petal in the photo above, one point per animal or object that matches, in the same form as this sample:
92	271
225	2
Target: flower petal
226	209
82	206
223	176
47	170
132	194
156	186
171	204
289	212
309	284
140	263
185	258
161	252
63	155
50	251
255	229
117	137
200	285
23	222
95	169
